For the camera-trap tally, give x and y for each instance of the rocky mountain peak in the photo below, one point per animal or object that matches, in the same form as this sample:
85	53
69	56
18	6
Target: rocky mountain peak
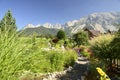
97	21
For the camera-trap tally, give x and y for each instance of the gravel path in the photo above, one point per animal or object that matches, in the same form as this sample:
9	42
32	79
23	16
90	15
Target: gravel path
78	70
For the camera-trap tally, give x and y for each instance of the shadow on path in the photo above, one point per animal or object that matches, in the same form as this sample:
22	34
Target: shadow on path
75	72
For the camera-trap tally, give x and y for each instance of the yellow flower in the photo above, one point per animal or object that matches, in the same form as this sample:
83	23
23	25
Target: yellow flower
102	74
100	71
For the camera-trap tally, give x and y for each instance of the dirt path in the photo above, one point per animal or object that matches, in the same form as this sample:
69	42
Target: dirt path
77	70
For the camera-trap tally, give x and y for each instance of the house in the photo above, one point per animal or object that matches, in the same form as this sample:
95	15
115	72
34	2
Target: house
92	33
111	32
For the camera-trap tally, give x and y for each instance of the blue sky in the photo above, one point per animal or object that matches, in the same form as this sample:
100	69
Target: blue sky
54	11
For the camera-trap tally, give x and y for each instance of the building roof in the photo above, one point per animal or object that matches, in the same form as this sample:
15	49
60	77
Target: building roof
93	32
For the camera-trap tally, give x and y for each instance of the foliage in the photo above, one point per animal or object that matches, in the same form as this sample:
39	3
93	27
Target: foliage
8	22
101	46
70	58
61	34
116	45
81	38
85	51
11	56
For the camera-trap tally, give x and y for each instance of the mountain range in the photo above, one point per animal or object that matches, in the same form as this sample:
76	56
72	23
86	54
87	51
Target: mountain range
97	21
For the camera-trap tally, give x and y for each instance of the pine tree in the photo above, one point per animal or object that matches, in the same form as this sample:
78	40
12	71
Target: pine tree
8	23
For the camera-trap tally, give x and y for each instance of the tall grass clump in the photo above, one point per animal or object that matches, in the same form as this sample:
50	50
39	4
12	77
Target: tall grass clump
70	58
50	61
11	59
56	60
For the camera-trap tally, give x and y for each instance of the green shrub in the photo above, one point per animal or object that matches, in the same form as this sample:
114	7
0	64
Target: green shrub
101	46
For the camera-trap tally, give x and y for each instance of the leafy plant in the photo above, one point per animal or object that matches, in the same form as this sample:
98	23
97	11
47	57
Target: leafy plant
101	47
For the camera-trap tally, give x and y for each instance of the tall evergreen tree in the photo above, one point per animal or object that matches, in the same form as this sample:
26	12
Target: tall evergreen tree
8	23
